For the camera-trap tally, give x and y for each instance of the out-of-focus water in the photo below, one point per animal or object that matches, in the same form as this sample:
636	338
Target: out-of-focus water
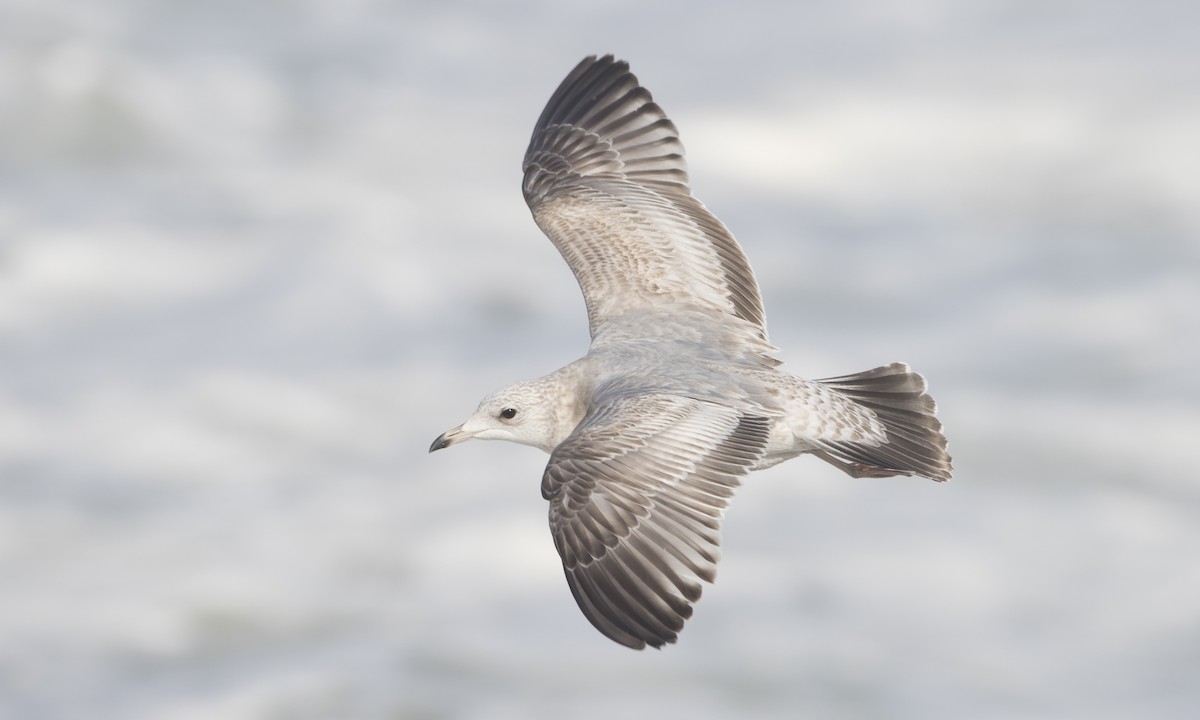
254	257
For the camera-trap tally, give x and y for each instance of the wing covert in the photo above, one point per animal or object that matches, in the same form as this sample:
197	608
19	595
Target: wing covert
606	180
636	497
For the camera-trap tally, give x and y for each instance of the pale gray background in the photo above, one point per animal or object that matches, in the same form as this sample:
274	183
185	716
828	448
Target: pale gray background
254	256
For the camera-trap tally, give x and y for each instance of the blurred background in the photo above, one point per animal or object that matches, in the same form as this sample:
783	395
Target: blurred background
255	256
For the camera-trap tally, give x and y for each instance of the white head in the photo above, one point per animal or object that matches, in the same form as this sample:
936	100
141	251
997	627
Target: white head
522	412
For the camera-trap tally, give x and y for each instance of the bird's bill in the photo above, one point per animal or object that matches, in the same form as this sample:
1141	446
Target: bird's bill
450	437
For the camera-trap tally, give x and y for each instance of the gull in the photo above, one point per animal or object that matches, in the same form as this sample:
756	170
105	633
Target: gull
680	394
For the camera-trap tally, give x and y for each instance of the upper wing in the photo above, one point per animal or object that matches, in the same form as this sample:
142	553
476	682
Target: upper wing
636	495
606	180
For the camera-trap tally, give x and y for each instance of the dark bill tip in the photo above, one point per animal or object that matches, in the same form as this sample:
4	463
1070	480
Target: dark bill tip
449	437
442	442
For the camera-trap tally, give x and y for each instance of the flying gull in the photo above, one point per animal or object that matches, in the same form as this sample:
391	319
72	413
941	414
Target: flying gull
679	395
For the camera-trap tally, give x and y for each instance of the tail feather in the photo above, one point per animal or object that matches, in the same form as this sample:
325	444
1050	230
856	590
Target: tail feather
915	443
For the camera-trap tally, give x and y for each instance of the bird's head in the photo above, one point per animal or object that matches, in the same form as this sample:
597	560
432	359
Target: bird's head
519	413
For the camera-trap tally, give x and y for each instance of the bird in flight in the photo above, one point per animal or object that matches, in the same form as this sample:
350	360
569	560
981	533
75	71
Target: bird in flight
679	395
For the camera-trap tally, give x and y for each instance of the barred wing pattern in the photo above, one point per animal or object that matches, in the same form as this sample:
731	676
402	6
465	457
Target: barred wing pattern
636	497
606	180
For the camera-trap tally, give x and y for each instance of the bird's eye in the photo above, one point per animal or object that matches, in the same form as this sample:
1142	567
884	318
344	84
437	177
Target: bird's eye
508	413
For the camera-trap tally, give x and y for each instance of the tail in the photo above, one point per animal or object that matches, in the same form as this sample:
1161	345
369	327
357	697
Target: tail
915	443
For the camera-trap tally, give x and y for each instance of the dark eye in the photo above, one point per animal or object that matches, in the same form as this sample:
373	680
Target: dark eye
508	413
